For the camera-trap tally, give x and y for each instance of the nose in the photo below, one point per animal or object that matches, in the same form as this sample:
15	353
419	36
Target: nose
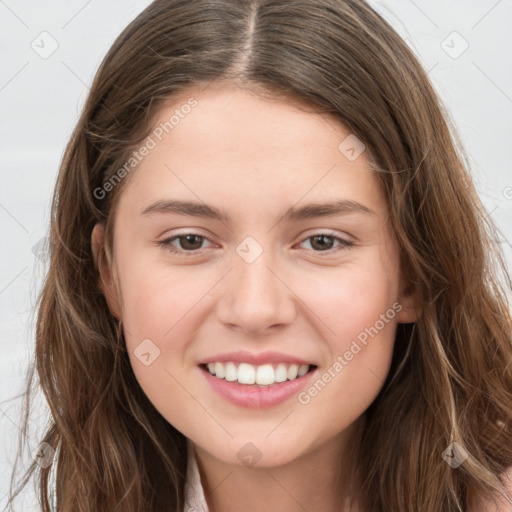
255	297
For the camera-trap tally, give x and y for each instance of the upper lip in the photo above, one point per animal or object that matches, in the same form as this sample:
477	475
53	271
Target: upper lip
243	356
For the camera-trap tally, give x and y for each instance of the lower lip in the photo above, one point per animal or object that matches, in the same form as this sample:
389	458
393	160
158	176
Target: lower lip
254	397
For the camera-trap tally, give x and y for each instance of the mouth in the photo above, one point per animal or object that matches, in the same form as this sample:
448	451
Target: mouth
257	376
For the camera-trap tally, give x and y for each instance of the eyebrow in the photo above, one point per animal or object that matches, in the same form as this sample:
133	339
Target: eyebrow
307	211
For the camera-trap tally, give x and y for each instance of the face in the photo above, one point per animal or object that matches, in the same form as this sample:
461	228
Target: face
249	234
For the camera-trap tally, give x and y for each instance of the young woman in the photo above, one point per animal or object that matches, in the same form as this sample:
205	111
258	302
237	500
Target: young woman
272	284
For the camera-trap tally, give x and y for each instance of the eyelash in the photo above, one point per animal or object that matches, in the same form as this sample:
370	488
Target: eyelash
345	244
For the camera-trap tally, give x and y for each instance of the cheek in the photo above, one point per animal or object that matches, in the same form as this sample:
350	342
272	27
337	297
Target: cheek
157	299
161	315
351	300
357	318
158	311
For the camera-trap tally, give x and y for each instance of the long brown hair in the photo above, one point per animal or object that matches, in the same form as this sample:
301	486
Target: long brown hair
451	377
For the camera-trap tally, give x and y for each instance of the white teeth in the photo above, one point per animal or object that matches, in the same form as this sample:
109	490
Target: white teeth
263	375
231	372
281	373
219	370
246	373
303	369
292	371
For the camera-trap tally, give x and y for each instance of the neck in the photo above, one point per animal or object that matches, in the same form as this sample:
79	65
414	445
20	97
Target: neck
320	480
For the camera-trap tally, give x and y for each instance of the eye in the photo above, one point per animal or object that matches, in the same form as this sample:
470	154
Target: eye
190	244
324	242
187	243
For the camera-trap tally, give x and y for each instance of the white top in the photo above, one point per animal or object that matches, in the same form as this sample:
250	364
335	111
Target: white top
194	494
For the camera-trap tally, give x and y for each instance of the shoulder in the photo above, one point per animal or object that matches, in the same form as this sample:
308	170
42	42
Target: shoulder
507	499
502	503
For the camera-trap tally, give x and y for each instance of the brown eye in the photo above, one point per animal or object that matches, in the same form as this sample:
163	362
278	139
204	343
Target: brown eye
187	244
190	242
324	242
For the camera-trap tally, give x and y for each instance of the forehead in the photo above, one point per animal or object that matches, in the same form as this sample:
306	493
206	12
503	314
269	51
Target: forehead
238	118
236	145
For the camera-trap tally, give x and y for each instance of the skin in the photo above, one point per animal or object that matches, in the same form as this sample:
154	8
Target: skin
254	158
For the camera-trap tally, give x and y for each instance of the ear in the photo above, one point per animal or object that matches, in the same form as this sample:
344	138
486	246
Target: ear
410	301
103	265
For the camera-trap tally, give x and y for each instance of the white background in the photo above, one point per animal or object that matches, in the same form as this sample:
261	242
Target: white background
40	100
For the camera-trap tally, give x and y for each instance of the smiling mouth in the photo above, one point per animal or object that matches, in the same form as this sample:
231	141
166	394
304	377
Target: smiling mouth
262	376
